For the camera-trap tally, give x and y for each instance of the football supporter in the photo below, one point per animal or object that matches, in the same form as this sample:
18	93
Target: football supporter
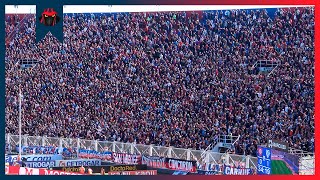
168	78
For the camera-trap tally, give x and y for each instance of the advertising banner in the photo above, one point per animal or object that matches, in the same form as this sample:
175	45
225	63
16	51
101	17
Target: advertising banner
155	162
35	171
134	173
54	172
68	169
123	158
78	162
40	164
92	154
183	165
264	160
278	145
125	168
28	171
12	158
110	168
228	170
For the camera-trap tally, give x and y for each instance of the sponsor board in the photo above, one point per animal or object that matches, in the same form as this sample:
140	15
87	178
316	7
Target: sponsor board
40	164
123	168
28	171
155	162
69	169
54	172
109	168
134	173
35	171
78	162
12	158
228	170
123	158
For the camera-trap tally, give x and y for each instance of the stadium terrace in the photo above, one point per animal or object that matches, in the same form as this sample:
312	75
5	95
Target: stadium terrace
177	79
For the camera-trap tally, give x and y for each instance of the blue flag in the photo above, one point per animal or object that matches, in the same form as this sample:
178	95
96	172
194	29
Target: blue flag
264	160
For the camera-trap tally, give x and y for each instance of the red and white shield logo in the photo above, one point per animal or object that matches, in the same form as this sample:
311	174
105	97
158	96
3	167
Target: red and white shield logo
260	151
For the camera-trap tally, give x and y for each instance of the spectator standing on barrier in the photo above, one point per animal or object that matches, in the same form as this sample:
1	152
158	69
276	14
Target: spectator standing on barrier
16	163
23	162
102	172
89	170
82	170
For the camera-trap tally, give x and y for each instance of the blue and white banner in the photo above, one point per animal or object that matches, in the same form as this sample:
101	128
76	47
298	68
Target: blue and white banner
92	154
180	173
201	172
12	158
78	162
40	164
264	160
229	170
66	152
212	167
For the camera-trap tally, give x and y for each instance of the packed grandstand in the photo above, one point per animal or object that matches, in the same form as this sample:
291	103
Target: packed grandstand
177	79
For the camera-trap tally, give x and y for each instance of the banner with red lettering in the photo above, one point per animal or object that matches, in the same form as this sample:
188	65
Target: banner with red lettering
124	158
55	172
29	171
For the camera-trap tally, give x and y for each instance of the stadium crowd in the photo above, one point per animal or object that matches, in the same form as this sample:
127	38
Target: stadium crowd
168	78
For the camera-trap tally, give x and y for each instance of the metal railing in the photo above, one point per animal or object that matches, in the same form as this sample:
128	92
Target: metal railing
268	65
202	156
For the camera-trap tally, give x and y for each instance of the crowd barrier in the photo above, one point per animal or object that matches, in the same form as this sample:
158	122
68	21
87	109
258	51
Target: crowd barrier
93	149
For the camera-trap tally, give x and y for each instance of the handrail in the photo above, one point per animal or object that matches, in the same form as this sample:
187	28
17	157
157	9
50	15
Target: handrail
120	147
